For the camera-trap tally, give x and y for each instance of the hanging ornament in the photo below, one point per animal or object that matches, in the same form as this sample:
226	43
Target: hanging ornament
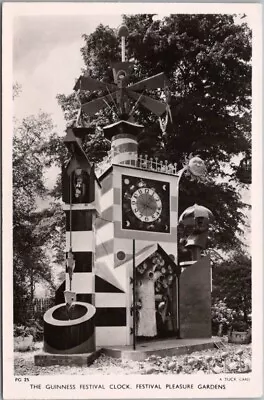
70	297
163	123
70	265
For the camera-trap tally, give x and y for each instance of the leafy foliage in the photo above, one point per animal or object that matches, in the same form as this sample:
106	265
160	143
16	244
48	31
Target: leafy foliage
232	284
222	317
33	227
207	61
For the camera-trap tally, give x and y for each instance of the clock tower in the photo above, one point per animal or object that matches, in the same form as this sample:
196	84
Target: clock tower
138	203
135	260
122	224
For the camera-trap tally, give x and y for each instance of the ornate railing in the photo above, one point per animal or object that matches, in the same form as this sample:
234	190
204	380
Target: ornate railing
142	162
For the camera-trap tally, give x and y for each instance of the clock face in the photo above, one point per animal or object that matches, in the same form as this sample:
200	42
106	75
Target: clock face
145	204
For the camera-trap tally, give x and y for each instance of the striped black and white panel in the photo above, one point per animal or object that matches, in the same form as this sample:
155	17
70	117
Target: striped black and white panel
104	238
110	296
80	235
111	314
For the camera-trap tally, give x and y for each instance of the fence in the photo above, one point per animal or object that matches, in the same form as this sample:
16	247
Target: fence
43	304
141	162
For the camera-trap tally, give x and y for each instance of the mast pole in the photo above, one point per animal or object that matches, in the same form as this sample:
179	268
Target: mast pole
134	295
123	48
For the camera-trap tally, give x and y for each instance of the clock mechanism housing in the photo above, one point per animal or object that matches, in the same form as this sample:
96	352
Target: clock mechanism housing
145	204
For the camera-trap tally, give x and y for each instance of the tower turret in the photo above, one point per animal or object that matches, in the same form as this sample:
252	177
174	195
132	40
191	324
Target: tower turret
124	143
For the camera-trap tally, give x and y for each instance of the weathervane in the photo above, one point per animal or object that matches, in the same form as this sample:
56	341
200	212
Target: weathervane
122	98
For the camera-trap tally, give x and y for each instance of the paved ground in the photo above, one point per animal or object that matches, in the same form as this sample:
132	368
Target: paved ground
223	360
161	347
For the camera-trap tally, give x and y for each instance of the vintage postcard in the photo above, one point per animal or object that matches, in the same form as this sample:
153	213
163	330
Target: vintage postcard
132	201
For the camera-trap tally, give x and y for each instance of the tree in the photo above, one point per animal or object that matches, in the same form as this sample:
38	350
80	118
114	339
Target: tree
33	227
232	283
207	61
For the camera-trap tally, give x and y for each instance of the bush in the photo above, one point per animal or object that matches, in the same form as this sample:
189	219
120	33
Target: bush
239	324
19	331
222	318
34	330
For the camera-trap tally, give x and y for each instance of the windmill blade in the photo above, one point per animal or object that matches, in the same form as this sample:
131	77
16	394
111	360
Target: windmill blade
92	107
87	83
154	82
155	106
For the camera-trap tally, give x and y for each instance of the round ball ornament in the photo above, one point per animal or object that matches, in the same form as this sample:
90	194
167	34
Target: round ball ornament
197	167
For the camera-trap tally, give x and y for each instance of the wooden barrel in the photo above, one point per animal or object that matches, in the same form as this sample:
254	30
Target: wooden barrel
69	330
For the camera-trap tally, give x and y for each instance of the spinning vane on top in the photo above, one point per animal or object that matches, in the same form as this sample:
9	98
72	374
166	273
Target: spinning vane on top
122	97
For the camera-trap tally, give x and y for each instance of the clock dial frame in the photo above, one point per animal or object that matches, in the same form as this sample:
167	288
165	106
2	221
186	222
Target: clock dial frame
145	204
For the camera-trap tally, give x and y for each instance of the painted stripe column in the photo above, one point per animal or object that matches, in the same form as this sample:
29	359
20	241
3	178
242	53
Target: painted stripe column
80	236
124	149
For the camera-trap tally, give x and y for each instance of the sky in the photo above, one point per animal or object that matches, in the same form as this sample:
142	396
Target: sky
47	59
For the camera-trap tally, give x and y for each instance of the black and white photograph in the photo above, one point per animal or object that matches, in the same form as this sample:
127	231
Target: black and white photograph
132	201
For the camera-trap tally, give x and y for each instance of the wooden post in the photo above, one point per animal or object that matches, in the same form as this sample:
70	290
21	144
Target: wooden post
134	296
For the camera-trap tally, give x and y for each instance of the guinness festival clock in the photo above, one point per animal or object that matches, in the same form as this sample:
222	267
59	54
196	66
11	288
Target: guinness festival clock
145	204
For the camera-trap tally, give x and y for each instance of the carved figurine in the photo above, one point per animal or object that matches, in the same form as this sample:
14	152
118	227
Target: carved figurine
195	220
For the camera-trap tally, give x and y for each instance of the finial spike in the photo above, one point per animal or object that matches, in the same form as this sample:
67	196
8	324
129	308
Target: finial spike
123	33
